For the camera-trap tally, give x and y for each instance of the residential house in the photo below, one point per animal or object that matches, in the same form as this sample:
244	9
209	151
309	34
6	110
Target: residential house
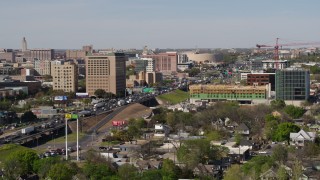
300	137
243	129
270	174
207	170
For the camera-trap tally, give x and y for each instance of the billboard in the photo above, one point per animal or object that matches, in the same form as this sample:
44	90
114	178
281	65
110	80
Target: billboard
82	95
60	98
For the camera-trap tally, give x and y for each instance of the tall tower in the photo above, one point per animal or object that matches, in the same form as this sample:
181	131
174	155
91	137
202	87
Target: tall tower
24	44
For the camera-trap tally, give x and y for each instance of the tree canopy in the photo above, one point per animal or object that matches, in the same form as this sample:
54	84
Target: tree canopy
294	112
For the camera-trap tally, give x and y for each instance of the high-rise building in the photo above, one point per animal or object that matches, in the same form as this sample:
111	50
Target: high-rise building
107	72
144	64
65	77
164	62
24	44
292	84
42	67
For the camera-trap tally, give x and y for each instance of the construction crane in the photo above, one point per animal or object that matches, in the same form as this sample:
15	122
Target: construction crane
277	45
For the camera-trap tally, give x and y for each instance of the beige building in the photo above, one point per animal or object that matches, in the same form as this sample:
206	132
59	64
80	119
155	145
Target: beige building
42	67
106	72
65	77
164	62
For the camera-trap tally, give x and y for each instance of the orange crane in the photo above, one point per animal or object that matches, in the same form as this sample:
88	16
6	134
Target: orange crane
277	45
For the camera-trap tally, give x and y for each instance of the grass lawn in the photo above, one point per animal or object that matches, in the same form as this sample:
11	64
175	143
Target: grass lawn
174	97
71	138
109	143
7	149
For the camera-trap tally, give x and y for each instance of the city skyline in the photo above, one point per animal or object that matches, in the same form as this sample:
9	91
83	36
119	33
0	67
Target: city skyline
158	24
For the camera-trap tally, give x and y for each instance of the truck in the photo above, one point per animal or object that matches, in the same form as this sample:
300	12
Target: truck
84	113
98	105
27	130
121	102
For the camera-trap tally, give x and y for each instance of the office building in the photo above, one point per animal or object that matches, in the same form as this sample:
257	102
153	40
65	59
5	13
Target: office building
261	79
65	77
144	64
292	84
107	72
24	45
164	62
42	67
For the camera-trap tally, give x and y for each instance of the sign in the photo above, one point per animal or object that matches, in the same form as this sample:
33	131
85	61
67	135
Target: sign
71	116
74	116
148	90
118	123
68	116
60	98
82	95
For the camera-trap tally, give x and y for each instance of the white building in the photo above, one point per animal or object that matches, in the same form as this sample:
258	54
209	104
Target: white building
282	64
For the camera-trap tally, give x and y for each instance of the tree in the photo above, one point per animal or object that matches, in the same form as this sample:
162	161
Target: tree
256	165
43	166
280	154
169	170
100	93
282	174
19	163
293	111
97	171
234	173
127	171
154	174
270	125
61	171
28	116
193	152
283	131
277	104
310	149
296	170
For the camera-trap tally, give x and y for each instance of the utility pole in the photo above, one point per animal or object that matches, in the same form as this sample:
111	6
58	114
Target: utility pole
77	138
66	138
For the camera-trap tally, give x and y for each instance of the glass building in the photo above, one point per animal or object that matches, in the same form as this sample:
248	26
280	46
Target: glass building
292	84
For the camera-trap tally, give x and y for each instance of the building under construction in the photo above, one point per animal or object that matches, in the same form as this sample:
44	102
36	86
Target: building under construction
212	92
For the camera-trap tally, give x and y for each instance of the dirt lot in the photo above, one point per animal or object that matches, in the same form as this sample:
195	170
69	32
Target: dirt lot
133	111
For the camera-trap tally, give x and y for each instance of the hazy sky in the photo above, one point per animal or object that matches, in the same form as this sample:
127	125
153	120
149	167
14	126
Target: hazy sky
157	23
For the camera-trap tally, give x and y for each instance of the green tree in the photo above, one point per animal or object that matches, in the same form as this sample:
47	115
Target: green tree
43	166
169	170
97	171
152	174
283	131
100	93
192	152
294	112
270	125
61	171
277	104
28	116
234	173
19	163
127	171
256	165
282	174
296	170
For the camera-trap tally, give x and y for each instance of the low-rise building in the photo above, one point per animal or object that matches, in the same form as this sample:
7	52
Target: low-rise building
301	137
200	92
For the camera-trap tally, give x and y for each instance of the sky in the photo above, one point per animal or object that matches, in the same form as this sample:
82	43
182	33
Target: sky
70	24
